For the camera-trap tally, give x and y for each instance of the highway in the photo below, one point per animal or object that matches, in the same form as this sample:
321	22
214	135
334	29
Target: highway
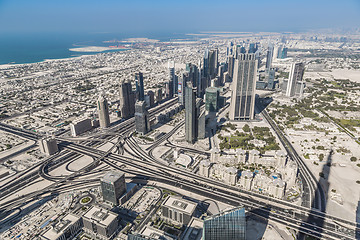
146	165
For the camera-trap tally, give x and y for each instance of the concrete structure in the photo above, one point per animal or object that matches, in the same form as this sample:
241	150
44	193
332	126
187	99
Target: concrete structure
201	124
204	168
241	155
280	157
190	114
212	99
184	160
80	126
253	156
141	118
113	186
296	75
242	105
246	179
229	225
127	100
63	229
277	188
173	83
291	171
103	111
230	176
139	82
48	146
177	210
100	223
214	155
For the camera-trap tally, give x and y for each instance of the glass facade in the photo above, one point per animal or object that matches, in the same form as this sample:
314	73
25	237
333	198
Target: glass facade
229	225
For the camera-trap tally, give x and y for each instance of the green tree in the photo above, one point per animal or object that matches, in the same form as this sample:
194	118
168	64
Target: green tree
246	128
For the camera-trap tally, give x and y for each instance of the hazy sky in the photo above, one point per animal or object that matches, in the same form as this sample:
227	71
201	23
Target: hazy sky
176	15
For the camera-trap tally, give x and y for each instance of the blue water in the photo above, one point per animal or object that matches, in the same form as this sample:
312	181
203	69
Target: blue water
36	47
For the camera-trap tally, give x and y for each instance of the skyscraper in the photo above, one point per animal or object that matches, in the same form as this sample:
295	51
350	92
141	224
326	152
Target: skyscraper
139	81
231	61
113	186
212	99
213	63
127	104
270	76
172	79
206	70
296	74
229	225
242	105
103	111
269	57
141	117
181	87
190	113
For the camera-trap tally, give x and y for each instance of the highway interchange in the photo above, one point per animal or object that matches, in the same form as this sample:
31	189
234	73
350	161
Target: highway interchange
145	166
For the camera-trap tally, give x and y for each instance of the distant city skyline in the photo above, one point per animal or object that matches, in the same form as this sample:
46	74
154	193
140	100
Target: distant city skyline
180	16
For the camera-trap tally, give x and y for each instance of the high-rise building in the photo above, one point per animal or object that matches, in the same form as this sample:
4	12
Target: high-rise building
158	95
200	85
269	57
172	79
139	81
229	49
270	76
212	99
231	61
113	186
190	113
283	53
127	103
80	126
296	75
48	146
200	123
181	87
242	105
103	111
206	70
252	48
151	98
141	117
213	62
229	225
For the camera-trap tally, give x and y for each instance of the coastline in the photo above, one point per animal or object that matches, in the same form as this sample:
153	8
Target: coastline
8	65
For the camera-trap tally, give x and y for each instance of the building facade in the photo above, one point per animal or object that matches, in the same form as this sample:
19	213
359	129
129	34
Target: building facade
242	105
103	111
141	118
113	186
296	75
229	225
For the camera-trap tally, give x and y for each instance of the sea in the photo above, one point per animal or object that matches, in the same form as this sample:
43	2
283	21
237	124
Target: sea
17	48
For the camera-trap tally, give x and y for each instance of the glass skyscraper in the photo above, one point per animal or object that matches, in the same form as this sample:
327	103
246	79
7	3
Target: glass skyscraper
230	225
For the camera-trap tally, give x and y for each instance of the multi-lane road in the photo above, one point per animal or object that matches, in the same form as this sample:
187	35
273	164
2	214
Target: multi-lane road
143	164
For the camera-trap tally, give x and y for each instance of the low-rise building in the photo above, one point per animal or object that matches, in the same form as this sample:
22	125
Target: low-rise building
177	210
63	229
100	223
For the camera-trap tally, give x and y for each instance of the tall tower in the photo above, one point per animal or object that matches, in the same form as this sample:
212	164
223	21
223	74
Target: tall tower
296	74
103	111
269	57
173	83
190	113
242	105
139	81
126	101
141	118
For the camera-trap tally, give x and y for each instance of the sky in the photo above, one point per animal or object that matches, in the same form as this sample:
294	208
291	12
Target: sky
185	16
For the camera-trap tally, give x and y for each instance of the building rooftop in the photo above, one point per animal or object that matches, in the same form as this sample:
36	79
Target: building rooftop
180	204
58	228
112	176
100	215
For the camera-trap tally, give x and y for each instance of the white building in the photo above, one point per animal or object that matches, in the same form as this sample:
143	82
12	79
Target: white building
80	126
246	179
230	176
48	146
204	168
